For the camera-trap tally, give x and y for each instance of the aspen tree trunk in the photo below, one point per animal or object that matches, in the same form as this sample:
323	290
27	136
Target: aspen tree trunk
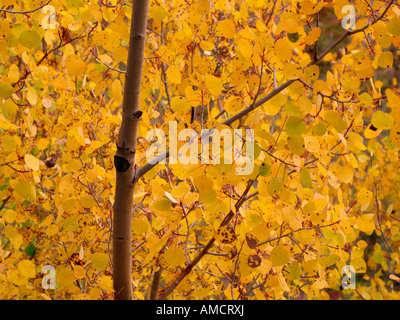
124	158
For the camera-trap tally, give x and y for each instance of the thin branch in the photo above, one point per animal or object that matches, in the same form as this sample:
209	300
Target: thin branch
61	44
378	218
25	12
155	285
289	234
205	250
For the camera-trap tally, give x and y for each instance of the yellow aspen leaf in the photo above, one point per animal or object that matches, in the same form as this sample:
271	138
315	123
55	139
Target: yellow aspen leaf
359	265
203	184
311	73
9	216
272	281
339	239
174	74
279	255
292	71
214	84
393	26
225	28
51	230
116	89
305	236
289	214
156	245
364	196
318	217
319	284
371	132
10	232
180	104
27	268
385	59
180	190
74	165
161	205
75	65
190	198
173	257
65	277
17	278
366	223
100	261
290	25
245	48
79	272
312	36
283	49
157	12
395	135
312	144
345	174
69	205
140	225
13	73
71	223
32	162
328	261
87	201
382	120
75	3
42	143
206	45
67	20
10	107
233	104
237	78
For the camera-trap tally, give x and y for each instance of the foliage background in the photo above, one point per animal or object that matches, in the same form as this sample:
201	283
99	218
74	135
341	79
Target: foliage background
324	192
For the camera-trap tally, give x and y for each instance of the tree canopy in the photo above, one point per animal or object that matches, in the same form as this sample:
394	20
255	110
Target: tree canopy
315	83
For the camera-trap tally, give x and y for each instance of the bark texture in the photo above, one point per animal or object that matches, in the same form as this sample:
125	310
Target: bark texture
124	158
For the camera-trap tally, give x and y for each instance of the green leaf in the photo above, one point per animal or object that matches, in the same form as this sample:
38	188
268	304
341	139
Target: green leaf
295	125
6	90
275	185
30	249
25	189
305	177
382	120
30	39
263	169
334	119
100	261
296	144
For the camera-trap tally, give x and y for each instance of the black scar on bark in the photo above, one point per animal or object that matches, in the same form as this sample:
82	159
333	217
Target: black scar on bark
121	164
